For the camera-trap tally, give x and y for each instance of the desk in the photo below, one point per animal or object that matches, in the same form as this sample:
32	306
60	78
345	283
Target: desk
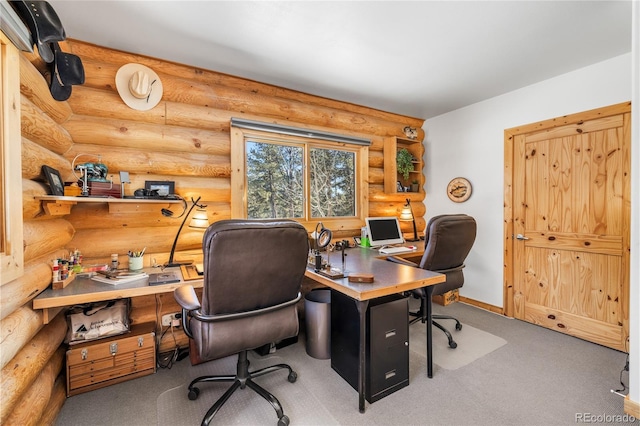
390	278
85	290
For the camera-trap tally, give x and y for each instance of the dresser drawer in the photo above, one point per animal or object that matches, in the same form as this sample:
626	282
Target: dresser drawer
92	365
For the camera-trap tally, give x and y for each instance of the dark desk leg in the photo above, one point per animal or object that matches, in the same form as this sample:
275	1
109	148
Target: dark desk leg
362	310
429	333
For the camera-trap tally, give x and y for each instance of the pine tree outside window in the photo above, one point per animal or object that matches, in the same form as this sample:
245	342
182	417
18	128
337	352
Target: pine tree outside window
276	176
308	180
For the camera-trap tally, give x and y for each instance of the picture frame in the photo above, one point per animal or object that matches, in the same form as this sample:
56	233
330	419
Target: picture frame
163	187
54	180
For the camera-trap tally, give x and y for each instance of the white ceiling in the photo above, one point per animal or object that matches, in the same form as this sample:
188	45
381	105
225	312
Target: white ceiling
419	58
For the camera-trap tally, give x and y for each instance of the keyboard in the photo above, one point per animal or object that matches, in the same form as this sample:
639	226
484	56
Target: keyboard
395	250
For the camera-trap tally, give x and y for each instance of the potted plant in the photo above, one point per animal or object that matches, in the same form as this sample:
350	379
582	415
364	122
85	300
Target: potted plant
404	162
415	186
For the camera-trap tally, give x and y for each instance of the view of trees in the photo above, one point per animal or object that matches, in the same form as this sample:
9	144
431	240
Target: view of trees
332	183
275	181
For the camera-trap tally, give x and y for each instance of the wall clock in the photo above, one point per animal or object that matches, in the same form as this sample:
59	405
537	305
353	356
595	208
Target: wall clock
459	190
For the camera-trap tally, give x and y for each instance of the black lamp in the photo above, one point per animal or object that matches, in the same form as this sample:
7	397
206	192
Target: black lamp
407	214
199	221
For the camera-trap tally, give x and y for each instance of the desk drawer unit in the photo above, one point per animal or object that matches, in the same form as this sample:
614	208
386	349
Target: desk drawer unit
96	364
387	350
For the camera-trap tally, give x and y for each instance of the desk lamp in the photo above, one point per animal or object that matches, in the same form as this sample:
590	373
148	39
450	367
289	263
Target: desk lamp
407	215
199	221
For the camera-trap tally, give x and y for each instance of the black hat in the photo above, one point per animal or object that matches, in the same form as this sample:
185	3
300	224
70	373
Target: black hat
43	23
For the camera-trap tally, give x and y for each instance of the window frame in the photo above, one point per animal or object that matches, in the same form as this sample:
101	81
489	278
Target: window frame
11	222
239	138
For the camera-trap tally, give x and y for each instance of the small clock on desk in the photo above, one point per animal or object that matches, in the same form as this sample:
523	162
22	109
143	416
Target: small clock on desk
459	190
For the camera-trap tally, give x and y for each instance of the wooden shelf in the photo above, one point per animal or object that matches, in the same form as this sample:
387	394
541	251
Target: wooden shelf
391	176
58	206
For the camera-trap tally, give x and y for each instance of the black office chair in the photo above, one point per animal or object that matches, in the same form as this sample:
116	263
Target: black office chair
448	240
253	270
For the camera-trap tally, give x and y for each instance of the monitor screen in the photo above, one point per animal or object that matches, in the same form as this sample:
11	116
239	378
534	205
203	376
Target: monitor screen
384	231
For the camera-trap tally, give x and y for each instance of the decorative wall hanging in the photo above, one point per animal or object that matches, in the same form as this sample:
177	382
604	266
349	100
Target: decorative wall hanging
459	190
138	86
410	132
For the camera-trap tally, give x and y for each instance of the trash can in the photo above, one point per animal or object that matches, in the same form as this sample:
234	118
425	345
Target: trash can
317	318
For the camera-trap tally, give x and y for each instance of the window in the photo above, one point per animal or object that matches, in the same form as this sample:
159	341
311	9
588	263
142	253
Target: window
332	182
275	181
296	177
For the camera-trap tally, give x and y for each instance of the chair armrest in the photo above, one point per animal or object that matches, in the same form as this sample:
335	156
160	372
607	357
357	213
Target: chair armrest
237	315
400	260
186	297
444	271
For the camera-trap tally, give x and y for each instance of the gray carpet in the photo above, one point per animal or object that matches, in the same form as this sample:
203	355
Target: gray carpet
539	377
472	344
244	407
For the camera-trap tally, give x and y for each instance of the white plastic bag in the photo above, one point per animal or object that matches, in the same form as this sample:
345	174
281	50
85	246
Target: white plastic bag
96	320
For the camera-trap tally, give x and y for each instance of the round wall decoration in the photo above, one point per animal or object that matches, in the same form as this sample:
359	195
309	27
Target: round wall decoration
459	190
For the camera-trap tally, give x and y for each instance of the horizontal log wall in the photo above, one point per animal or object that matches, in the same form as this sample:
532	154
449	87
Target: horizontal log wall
184	139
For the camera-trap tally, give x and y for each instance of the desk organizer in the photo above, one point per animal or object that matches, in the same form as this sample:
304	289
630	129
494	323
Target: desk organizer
189	272
57	285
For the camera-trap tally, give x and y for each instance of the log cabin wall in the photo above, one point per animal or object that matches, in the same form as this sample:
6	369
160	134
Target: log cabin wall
184	139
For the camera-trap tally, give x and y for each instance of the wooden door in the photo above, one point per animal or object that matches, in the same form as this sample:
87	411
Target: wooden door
568	204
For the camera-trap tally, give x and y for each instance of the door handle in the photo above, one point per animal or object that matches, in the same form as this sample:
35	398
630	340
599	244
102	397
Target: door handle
521	237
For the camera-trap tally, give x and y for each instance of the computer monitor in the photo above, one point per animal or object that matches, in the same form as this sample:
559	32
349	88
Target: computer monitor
384	231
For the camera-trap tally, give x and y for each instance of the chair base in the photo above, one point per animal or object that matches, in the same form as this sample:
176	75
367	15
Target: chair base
241	379
421	316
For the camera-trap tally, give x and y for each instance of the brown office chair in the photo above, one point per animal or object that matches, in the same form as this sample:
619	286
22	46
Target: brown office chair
253	270
448	240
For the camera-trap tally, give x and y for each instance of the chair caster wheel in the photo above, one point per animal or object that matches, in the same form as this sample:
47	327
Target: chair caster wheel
453	344
283	421
193	394
458	327
293	376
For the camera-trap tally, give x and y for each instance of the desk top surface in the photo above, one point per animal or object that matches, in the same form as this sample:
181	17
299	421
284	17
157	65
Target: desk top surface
389	277
86	290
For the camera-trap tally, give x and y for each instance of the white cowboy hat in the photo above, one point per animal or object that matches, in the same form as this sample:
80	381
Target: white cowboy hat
139	86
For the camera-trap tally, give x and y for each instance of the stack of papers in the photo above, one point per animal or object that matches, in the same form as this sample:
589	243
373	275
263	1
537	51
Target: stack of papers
118	277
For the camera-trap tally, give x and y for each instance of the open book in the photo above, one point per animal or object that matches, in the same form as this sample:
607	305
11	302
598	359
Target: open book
119	277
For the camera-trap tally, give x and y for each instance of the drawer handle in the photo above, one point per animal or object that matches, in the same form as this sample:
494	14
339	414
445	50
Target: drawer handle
113	348
84	354
389	374
140	341
390	333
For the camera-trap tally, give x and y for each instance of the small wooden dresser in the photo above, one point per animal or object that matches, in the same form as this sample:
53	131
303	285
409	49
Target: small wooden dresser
99	363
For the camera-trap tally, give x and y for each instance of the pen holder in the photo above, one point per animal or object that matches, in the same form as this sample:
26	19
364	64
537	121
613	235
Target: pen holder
135	263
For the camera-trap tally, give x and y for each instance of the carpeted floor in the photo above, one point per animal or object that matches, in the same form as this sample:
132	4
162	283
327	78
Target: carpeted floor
525	375
244	407
472	344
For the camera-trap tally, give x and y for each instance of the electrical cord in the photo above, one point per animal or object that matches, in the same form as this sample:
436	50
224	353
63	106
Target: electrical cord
167	359
625	368
624	387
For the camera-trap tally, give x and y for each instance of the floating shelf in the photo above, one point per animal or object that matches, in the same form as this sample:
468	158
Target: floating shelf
58	206
391	175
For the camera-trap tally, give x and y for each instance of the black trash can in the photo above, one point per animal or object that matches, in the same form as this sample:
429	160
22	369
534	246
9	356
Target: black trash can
317	318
